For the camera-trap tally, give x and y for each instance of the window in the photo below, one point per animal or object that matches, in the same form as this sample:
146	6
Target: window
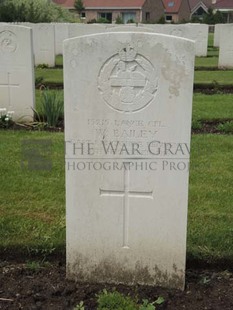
147	16
83	15
168	18
171	4
106	15
129	17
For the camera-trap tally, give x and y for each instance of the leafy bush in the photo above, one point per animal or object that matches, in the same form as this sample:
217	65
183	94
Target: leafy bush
213	18
130	21
34	11
102	20
161	20
119	20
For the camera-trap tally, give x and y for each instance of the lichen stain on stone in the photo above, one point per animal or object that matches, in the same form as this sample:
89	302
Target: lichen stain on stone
174	72
109	271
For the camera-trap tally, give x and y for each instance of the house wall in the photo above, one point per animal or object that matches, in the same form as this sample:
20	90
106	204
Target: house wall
175	17
155	8
92	14
185	11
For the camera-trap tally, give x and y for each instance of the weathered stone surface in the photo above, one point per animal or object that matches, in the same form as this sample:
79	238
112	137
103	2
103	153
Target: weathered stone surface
17	71
44	44
225	59
128	103
61	34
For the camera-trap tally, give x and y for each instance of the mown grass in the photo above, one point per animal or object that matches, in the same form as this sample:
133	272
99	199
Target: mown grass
216	77
205	107
50	75
32	203
201	77
59	60
210	62
210	230
211	40
214	107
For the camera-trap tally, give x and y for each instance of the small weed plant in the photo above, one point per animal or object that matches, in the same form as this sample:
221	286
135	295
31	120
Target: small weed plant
116	301
226	127
196	125
80	306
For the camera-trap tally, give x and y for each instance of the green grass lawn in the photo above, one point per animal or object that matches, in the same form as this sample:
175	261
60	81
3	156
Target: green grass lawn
204	77
209	77
205	107
50	75
32	204
213	52
210	230
206	62
214	107
211	40
59	60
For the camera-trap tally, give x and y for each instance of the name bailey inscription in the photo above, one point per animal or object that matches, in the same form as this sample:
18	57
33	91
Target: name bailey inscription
128	103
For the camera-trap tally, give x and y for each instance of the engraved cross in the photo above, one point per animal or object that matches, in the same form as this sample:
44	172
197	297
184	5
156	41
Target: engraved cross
126	193
8	85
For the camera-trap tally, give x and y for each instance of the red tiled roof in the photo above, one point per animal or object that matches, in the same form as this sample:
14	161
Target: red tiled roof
223	4
194	3
172	6
103	3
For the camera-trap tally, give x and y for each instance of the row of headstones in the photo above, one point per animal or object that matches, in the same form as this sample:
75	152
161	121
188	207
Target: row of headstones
128	104
223	38
17	60
48	38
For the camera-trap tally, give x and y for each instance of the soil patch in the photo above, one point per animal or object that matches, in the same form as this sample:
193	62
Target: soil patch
35	287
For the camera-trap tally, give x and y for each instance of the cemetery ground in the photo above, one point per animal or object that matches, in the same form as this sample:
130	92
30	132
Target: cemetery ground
32	208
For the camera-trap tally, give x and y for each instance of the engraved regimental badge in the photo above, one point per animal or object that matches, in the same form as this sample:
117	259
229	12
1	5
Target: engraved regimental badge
8	42
128	81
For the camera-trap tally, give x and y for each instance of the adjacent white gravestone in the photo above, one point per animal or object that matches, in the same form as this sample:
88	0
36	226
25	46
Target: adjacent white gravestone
128	103
17	71
76	30
61	34
196	32
44	44
226	46
217	29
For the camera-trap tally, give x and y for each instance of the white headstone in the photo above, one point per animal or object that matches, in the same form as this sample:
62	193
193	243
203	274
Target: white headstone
17	71
217	28
196	32
226	46
129	28
61	34
44	44
76	30
128	103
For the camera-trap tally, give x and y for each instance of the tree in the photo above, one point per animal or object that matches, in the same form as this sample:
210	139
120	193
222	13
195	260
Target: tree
213	18
79	7
34	11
